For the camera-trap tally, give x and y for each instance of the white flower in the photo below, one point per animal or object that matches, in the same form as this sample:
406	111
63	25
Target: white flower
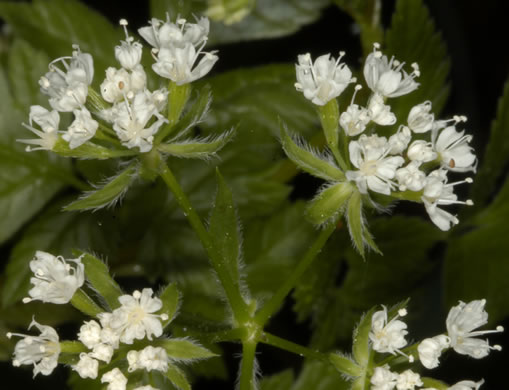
166	34
411	177
55	281
438	192
388	336
116	85
379	112
68	88
454	151
467	385
355	119
376	170
430	350
388	78
147	387
150	358
48	121
40	351
116	380
128	54
102	352
131	119
383	379
408	380
461	322
179	64
421	151
324	80
90	334
135	318
419	119
138	79
86	367
400	140
81	129
109	335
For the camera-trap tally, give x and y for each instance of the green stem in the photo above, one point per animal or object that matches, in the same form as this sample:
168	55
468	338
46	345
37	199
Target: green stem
74	347
247	374
178	95
237	303
289	346
275	302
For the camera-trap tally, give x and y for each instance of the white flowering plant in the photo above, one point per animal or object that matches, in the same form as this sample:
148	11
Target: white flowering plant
162	216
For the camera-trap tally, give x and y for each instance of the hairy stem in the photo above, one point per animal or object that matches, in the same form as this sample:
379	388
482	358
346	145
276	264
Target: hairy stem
247	379
275	302
237	303
289	346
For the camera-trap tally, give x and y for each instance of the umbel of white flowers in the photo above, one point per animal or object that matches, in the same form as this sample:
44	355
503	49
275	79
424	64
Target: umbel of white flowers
417	157
135	113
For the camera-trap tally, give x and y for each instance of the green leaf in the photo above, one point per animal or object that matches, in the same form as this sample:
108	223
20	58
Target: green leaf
47	25
495	158
345	365
328	205
320	375
360	347
90	150
183	349
57	233
412	23
27	180
224	230
359	233
98	275
171	302
309	160
204	148
108	195
281	381
269	19
476	263
177	377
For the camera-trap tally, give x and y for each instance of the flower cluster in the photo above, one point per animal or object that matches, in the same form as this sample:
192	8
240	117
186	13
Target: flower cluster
414	161
139	317
125	113
389	337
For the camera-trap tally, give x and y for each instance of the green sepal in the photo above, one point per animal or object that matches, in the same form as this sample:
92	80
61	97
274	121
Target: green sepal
360	346
329	117
171	302
108	194
329	204
95	103
89	151
99	277
178	95
184	349
309	161
345	365
197	148
359	233
74	347
177	377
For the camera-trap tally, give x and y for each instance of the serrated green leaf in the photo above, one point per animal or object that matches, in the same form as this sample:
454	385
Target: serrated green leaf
309	160
97	273
107	195
476	263
186	350
320	375
177	377
281	381
90	150
171	302
269	19
197	148
355	220
495	155
328	204
360	346
46	25
224	230
412	23
27	180
57	233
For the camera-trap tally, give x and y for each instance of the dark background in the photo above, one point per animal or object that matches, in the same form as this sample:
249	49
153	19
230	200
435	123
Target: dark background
476	36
